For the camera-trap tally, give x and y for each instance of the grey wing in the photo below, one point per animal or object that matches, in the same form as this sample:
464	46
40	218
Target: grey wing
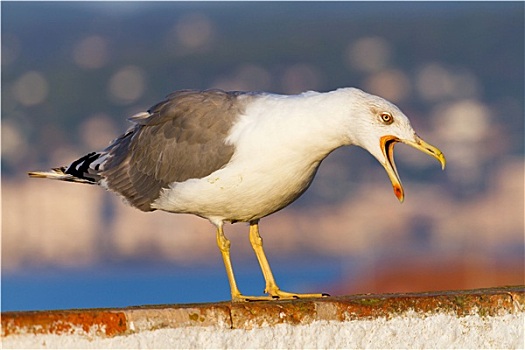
181	138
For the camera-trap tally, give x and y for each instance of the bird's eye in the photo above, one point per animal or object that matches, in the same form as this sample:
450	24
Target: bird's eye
386	118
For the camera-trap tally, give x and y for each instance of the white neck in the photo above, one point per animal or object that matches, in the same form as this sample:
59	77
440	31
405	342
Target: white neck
312	121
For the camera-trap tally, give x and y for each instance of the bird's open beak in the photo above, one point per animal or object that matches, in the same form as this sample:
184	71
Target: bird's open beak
387	144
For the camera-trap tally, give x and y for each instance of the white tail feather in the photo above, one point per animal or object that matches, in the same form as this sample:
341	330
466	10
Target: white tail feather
57	174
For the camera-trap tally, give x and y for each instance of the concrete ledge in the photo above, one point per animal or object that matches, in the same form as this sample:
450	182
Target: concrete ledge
120	325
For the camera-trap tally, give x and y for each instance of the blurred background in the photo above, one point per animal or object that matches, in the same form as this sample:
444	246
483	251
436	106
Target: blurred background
72	72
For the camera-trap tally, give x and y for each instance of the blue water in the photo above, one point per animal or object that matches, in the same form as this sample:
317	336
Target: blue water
111	285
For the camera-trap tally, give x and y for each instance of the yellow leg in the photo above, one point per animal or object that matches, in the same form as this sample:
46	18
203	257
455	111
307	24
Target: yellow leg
224	246
271	287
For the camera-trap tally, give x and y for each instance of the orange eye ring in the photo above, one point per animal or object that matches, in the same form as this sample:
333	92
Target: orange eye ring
386	118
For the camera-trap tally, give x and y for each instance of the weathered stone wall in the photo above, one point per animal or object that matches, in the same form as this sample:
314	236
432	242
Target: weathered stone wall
487	318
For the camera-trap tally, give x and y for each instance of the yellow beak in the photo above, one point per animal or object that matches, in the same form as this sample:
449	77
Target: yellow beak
387	144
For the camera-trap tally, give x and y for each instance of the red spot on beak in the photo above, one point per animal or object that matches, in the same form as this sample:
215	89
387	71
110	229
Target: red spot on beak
398	191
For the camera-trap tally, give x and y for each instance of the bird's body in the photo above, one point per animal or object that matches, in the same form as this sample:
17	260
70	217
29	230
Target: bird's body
233	156
271	166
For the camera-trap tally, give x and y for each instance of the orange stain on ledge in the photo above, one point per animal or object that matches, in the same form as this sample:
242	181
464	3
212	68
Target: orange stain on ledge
64	322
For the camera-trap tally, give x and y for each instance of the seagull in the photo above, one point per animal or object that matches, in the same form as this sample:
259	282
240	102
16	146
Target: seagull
241	156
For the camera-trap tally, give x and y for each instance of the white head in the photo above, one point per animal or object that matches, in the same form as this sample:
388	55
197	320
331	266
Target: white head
377	125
